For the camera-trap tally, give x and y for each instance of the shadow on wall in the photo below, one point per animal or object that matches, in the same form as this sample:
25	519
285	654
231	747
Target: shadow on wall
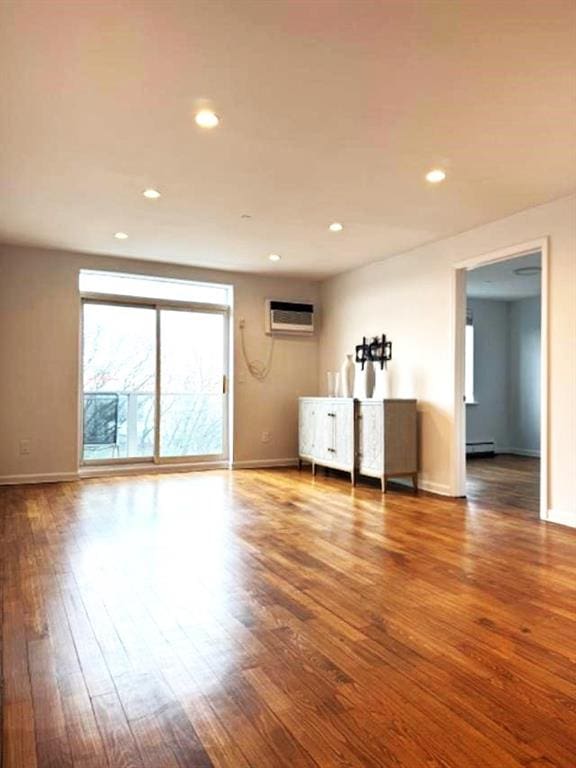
434	429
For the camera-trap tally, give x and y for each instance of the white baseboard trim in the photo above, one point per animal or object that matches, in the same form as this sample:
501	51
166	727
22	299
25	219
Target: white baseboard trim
50	477
562	517
519	452
439	489
264	463
108	470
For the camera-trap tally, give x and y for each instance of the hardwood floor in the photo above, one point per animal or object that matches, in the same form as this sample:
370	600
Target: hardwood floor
268	619
505	482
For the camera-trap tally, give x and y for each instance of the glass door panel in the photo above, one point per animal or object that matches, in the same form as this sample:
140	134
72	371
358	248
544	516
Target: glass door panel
193	408
119	381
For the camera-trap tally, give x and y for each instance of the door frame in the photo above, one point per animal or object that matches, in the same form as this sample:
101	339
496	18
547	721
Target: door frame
458	348
157	305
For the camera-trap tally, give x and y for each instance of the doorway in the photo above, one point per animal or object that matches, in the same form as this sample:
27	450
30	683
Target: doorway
154	380
501	380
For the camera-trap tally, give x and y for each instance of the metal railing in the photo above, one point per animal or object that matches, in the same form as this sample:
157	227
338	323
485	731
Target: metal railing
192	424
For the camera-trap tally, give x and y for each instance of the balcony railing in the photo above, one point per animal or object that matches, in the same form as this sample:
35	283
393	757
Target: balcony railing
121	424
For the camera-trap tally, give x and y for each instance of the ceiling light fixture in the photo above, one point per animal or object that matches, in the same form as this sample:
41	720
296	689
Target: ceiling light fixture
206	118
435	176
336	227
274	257
121	236
151	194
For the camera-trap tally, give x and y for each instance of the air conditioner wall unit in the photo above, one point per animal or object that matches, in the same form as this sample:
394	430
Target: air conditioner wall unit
295	318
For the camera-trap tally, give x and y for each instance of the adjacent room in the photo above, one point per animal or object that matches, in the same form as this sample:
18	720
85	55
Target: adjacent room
287	383
503	374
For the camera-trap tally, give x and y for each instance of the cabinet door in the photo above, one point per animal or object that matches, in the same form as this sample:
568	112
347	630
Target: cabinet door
371	439
324	436
306	427
343	433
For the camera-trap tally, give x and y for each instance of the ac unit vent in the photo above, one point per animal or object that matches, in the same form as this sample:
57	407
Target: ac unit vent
293	317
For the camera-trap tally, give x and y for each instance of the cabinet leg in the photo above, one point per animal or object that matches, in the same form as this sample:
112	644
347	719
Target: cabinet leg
299	464
415	481
353	477
383	483
313	469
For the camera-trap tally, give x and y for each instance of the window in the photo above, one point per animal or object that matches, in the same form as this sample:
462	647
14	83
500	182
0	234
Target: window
469	364
145	287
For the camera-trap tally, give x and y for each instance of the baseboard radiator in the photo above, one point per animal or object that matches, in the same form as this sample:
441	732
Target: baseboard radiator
481	448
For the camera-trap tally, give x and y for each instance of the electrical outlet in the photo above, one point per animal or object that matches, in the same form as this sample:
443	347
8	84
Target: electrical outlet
25	448
266	437
241	323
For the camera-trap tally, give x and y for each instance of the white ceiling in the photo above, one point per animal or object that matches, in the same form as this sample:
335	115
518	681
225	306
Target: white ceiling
331	110
499	281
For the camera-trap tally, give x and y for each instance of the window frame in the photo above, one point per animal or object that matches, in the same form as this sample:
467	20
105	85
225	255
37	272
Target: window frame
470	365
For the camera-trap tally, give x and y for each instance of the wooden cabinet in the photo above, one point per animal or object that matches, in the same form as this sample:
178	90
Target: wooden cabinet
377	438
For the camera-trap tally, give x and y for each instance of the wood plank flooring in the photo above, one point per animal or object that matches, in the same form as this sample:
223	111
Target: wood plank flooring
505	482
268	619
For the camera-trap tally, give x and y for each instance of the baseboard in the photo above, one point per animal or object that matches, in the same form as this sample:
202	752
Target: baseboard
264	463
122	470
439	489
50	477
519	452
562	517
87	472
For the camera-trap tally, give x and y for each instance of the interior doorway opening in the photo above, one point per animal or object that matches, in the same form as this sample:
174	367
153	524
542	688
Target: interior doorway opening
502	383
501	380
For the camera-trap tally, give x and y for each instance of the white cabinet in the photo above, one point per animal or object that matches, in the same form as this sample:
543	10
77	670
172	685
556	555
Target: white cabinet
307	427
326	432
387	440
377	438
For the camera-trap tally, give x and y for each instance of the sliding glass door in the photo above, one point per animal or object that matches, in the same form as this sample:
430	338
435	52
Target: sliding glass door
154	383
119	373
192	383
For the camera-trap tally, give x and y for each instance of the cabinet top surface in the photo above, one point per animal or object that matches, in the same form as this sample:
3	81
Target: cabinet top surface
370	400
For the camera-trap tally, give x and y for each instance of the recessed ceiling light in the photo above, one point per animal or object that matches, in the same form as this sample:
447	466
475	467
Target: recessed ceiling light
435	176
206	118
336	227
151	194
121	236
274	257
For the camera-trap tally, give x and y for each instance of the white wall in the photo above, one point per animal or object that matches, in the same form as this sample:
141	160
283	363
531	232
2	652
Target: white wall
489	418
410	297
39	359
524	394
506	375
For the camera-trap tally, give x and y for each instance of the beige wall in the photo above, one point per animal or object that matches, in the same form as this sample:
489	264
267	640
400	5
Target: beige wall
39	359
410	298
